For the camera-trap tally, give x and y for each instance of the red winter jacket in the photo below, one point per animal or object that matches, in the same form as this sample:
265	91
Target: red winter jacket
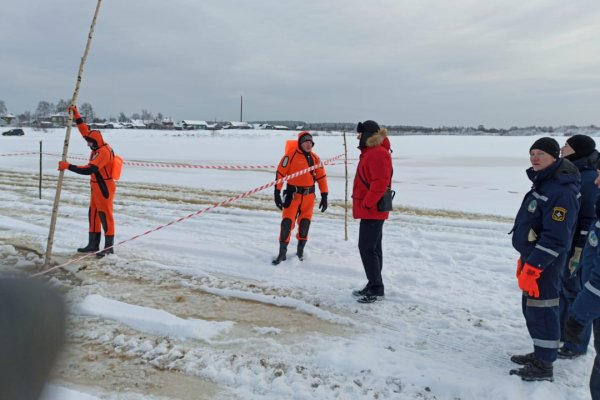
375	168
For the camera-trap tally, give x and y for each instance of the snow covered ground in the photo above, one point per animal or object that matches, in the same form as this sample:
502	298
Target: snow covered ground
196	310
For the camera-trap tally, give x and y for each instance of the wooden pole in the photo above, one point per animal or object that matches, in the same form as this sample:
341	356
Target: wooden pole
346	199
40	189
66	144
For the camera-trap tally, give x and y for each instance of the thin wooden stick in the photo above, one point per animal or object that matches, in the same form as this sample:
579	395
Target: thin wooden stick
346	199
66	145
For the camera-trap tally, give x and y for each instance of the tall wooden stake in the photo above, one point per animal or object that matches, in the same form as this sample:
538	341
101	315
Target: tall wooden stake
66	145
40	169
346	199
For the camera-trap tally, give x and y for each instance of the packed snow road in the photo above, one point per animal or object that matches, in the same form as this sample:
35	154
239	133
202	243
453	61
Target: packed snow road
196	310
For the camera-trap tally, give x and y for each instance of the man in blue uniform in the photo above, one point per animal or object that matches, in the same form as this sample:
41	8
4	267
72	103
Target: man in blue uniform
581	151
542	234
586	307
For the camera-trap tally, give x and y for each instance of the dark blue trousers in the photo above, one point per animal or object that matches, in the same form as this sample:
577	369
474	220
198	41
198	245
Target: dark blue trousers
595	378
370	235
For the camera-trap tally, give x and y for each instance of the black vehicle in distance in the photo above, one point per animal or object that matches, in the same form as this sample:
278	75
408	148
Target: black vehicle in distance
14	132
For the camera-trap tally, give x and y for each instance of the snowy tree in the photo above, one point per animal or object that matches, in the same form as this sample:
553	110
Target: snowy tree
147	116
135	116
61	106
44	109
3	109
87	112
123	117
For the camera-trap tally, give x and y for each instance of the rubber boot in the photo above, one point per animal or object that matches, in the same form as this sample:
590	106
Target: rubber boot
93	243
282	252
109	241
300	249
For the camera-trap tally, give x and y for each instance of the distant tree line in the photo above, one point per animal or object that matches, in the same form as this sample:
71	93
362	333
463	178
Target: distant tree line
45	110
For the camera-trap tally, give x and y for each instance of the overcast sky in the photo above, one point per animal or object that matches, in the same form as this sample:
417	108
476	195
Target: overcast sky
413	62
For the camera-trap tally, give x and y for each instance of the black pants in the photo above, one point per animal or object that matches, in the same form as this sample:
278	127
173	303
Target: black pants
369	244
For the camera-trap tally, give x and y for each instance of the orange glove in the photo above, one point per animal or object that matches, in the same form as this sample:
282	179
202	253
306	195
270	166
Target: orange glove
75	111
62	165
528	280
519	266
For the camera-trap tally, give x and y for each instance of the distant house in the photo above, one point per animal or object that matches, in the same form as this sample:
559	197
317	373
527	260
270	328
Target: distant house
134	124
60	118
237	125
190	124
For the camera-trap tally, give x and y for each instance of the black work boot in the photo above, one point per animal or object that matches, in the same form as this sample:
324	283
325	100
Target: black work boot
93	243
282	252
523	359
300	249
538	370
109	241
371	296
566	354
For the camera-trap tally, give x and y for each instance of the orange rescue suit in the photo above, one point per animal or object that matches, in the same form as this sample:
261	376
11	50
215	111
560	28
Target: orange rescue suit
300	191
103	186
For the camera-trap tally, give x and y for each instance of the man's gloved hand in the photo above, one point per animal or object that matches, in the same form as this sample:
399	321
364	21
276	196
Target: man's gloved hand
75	111
278	201
574	261
572	330
519	266
62	165
528	280
323	203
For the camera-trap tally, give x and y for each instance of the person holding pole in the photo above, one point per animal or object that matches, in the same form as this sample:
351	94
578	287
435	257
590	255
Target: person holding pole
100	169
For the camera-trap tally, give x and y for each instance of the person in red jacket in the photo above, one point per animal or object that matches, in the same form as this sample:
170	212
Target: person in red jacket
373	177
99	168
299	193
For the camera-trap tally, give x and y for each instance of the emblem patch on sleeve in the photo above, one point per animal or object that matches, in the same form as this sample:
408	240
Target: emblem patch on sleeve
559	213
285	161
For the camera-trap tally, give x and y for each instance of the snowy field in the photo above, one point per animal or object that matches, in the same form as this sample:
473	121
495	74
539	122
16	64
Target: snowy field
197	311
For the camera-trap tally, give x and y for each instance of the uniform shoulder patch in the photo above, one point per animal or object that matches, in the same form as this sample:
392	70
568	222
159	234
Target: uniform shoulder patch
285	161
559	213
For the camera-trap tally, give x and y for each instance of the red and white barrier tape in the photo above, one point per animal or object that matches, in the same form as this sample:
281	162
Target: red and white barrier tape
152	164
222	203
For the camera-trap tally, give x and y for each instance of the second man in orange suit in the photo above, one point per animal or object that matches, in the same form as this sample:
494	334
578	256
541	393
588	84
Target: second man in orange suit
299	196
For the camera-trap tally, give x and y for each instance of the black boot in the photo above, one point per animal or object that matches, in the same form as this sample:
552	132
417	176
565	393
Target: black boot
538	370
361	292
93	243
109	241
566	354
523	359
282	252
300	250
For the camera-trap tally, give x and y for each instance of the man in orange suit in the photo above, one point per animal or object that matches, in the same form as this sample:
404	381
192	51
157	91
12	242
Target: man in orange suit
299	195
103	187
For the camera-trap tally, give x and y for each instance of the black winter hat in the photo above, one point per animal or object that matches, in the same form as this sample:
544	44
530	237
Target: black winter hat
582	144
547	145
368	127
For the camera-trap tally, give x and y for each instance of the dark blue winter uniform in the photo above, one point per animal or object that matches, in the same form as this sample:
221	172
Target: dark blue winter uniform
586	307
542	234
571	276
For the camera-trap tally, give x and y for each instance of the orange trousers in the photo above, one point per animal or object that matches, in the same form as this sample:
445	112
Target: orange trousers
300	210
100	213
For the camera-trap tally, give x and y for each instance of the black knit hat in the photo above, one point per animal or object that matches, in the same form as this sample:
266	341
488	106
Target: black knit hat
367	129
547	145
582	144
